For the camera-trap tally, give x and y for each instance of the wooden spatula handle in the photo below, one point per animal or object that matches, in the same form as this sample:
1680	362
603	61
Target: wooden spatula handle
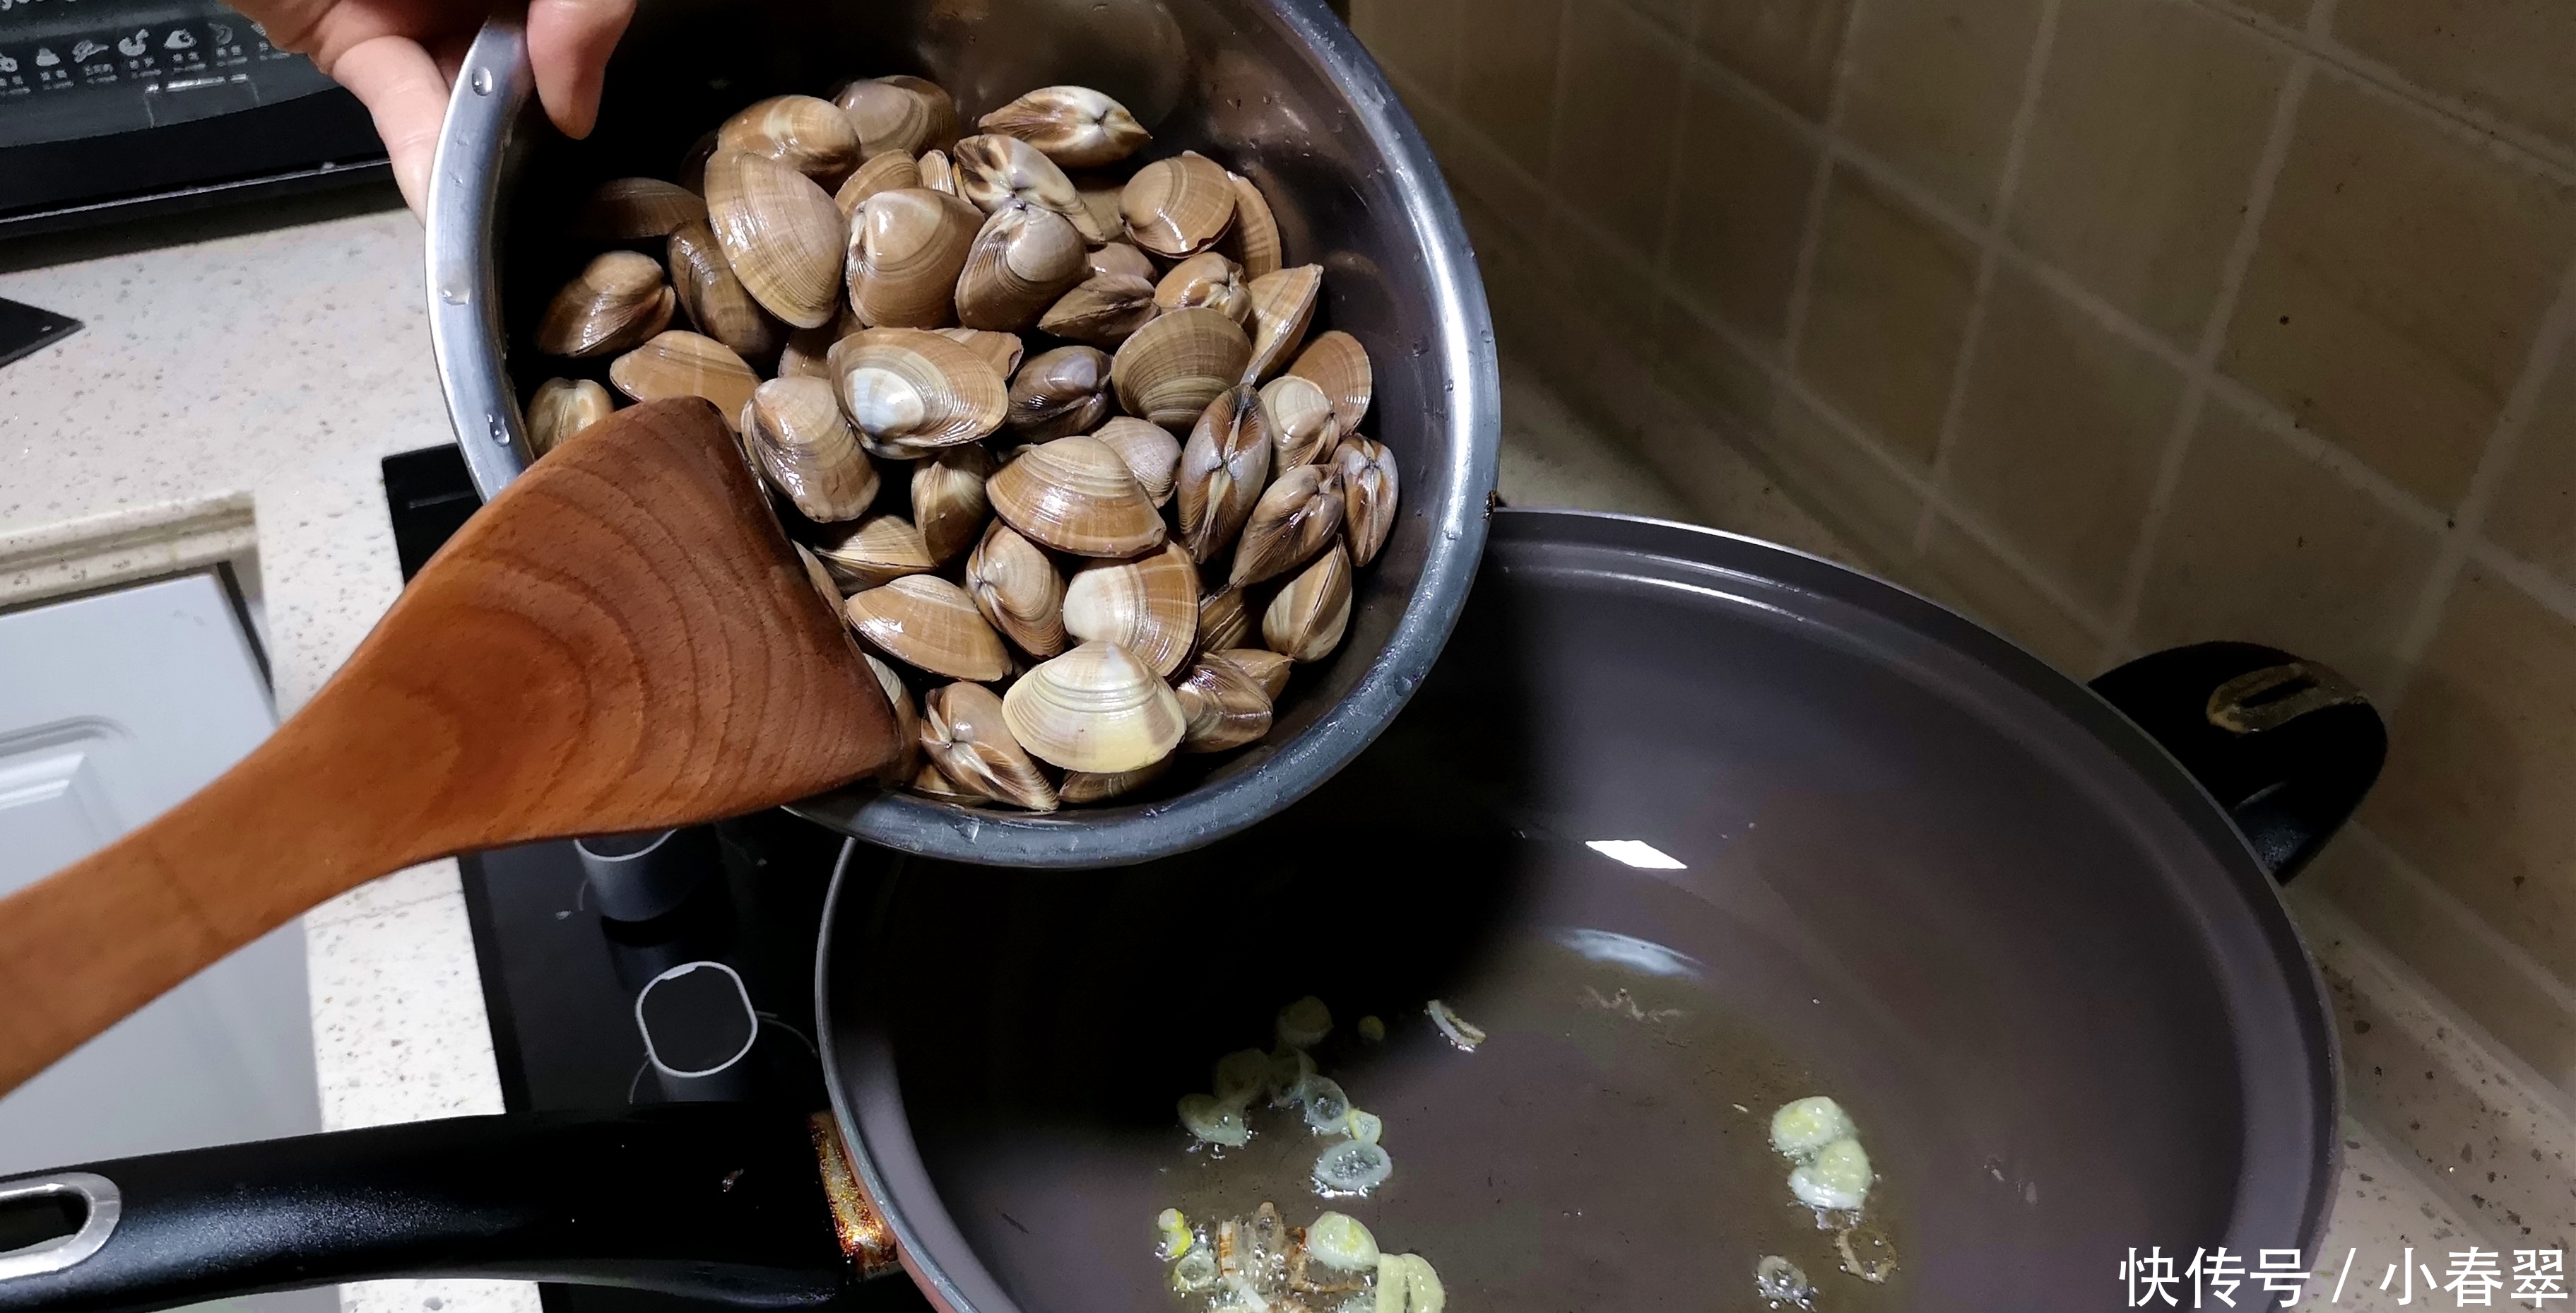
623	640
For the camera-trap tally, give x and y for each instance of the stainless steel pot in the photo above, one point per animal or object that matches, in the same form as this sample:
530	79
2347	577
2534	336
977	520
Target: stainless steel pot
1278	89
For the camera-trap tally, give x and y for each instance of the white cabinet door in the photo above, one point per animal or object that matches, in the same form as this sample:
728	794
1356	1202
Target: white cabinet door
112	708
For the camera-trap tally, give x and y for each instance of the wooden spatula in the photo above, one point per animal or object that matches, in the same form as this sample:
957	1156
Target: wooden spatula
622	640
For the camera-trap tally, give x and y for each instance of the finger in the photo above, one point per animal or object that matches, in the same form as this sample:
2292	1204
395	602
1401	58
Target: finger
401	87
569	42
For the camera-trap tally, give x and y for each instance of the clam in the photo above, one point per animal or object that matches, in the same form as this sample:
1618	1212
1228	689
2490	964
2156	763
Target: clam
966	734
1206	279
1077	127
992	169
911	392
1016	587
1000	350
906	248
780	232
1253	241
1119	258
1085	787
1097	709
907	720
1021	261
1062	392
794	431
635	209
1267	668
874	552
1297	516
925	621
715	300
1305	621
1222	707
898	113
937	787
563	407
617	301
1151	452
679	363
1224	620
1149	607
1076	495
1178	207
1283	306
1302	426
1172	367
825	586
807	352
937	173
1100	193
1103	310
1338	365
1368	495
808	135
948	498
1224	467
892	170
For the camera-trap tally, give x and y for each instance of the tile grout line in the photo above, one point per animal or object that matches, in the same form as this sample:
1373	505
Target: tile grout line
2204	357
1668	228
2527	970
1990	240
2503	443
1811	224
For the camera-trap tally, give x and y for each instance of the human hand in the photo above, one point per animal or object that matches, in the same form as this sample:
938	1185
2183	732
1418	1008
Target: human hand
400	59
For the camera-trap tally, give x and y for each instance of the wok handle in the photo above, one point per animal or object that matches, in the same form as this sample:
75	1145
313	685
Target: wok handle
705	1200
2286	745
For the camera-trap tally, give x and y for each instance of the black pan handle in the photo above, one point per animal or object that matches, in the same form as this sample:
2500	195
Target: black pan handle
2286	745
707	1200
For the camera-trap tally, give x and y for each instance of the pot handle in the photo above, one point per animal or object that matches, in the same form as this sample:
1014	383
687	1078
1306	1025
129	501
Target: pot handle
704	1200
2286	745
493	88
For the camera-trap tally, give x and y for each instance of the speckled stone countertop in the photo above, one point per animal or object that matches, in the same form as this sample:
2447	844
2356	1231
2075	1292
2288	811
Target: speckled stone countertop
240	378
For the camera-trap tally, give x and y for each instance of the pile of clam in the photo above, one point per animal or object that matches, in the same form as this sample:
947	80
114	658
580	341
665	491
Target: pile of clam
1052	437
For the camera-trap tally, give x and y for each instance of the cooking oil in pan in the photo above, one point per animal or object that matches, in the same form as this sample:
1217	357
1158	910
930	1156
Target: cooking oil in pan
1607	1145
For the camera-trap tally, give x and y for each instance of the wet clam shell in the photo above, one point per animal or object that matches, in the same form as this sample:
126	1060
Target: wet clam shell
1368	495
1017	588
1022	260
1298	515
966	733
948	500
1000	350
563	407
1225	620
1097	709
715	300
927	622
914	392
874	552
1206	280
932	783
892	170
1253	240
1081	787
635	209
1223	707
803	447
1152	454
781	234
808	350
807	134
1076	495
1077	127
616	302
898	113
1149	607
1267	668
993	169
1178	207
1306	620
906	249
1224	466
1060	393
678	363
1121	259
1303	428
1174	366
1103	310
907	719
939	173
1340	366
1283	307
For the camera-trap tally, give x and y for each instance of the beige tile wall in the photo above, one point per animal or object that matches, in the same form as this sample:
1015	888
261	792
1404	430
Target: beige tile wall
2119	324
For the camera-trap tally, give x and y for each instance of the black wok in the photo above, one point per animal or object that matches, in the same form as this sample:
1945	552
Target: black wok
1917	870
